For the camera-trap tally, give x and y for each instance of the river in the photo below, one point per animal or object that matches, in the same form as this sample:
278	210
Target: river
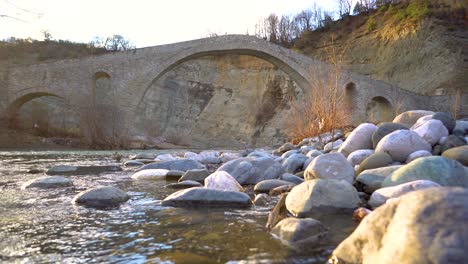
43	226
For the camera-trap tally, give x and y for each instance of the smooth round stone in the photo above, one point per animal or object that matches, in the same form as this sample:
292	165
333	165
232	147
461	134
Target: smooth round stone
183	185
133	163
399	144
48	182
180	164
425	226
300	234
314	153
372	179
444	171
195	175
200	196
360	138
154	174
228	156
164	157
409	118
376	160
447	119
222	180
105	196
289	153
459	154
266	185
358	156
431	131
261	199
294	163
385	129
319	195
286	147
333	145
330	166
292	178
145	156
253	170
380	196
418	154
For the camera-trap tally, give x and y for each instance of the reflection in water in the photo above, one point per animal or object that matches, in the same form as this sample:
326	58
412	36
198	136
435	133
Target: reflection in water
42	226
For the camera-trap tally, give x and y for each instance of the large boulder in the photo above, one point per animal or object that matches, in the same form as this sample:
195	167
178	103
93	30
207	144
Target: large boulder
82	170
360	138
48	182
330	166
426	226
431	131
358	156
447	119
444	171
376	160
300	234
195	175
385	129
409	118
319	195
222	180
380	196
104	196
181	165
207	197
372	179
294	163
267	185
152	174
399	144
253	170
459	154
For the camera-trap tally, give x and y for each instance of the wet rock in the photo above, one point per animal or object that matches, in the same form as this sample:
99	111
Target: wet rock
459	154
34	171
207	197
104	196
426	226
278	213
452	142
358	156
48	182
418	154
183	185
133	163
330	166
266	185
372	179
152	174
401	143
143	155
181	165
380	196
360	138
448	121
294	163
253	170
441	170
292	178
431	131
82	170
409	118
222	180
261	199
319	195
300	234
195	175
385	129
376	160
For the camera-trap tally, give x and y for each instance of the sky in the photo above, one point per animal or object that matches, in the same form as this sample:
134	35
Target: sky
144	22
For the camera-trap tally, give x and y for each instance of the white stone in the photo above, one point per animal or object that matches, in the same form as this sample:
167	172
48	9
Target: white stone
228	156
431	131
164	157
360	138
380	196
222	180
356	157
150	174
418	154
401	143
333	145
330	166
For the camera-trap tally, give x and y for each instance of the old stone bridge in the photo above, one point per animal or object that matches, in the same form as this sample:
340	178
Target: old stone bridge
224	91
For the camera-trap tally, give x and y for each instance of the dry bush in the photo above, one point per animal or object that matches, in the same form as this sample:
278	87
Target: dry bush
323	107
456	103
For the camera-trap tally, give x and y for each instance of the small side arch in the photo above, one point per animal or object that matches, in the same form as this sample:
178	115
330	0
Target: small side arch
379	109
350	94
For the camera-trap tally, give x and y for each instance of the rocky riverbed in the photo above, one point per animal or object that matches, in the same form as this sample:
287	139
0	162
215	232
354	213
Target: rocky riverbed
406	180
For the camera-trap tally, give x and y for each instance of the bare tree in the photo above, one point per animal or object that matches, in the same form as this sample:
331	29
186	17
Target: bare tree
344	7
113	43
305	19
272	22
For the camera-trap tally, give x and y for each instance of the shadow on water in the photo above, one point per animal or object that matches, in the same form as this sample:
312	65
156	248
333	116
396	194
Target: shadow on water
42	226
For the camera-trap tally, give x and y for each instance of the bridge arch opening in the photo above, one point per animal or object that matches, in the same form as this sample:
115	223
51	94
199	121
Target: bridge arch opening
379	109
350	92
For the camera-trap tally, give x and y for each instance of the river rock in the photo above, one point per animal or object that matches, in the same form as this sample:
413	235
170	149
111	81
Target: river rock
104	196
292	178
195	175
181	165
358	156
253	170
261	199
444	171
294	163
380	196
306	149
82	170
300	234
452	142
376	160
222	180
360	138
461	128
210	157
174	175
152	174
409	118
314	153
228	156
385	129
335	145
459	154
426	226
266	185
289	153
133	163
418	154
143	155
286	146
431	131
399	144
330	166
207	197
372	179
48	182
280	190
164	157
183	185
448	121
315	196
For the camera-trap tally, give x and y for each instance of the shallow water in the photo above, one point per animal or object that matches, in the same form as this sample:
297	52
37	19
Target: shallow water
42	226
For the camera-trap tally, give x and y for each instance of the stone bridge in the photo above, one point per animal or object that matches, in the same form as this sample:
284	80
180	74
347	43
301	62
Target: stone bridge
122	82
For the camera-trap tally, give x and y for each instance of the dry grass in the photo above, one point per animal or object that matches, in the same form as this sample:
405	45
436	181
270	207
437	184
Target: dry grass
323	107
456	103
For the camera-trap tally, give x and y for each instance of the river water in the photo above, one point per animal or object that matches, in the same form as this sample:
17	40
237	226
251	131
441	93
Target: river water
43	226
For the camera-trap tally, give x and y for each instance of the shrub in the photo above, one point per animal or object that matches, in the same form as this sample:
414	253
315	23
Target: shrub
371	25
